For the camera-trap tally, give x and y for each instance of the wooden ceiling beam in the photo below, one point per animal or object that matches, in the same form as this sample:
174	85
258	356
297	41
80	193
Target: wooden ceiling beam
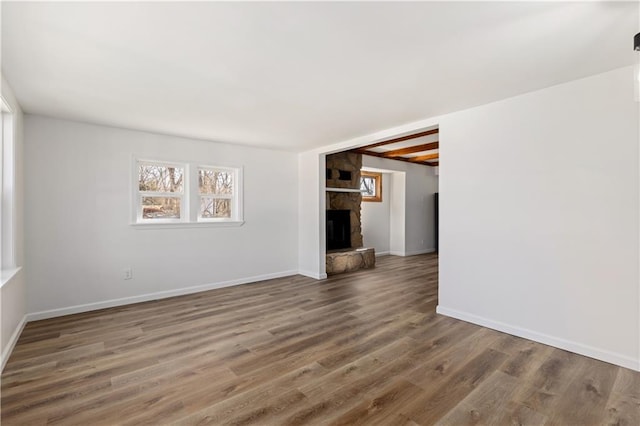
377	154
411	149
422	158
400	139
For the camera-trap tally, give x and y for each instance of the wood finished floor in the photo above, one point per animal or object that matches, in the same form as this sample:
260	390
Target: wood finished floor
361	348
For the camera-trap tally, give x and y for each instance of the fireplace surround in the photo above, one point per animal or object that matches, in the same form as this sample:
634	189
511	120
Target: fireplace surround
338	229
345	250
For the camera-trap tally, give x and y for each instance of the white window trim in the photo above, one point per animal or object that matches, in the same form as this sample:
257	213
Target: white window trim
7	188
184	207
235	198
190	204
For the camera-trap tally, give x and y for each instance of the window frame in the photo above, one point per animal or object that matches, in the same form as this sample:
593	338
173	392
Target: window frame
236	205
190	197
377	177
184	205
7	187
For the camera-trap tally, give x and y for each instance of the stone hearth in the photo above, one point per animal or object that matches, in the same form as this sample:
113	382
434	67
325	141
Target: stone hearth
350	260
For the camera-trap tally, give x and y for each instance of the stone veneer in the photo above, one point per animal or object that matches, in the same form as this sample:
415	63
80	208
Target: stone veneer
351	163
350	260
339	167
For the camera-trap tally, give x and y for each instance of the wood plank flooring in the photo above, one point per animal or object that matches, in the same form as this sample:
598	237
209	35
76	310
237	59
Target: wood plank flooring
360	348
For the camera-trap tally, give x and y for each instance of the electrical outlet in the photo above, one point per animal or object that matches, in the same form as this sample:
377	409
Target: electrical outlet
128	274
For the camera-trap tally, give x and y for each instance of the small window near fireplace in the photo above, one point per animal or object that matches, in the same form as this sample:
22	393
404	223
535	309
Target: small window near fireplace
371	186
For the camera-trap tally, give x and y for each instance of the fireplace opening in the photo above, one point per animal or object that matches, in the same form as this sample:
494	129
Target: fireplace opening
338	229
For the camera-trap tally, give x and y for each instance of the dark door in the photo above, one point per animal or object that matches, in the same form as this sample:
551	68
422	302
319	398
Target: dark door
436	218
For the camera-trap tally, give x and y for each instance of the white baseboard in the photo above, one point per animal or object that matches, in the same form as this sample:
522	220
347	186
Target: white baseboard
412	252
313	275
382	253
571	346
35	316
422	251
6	353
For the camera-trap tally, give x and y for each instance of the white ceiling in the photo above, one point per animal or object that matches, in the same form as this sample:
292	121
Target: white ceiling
297	75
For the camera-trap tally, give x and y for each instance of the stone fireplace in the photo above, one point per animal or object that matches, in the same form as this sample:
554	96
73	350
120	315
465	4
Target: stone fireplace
344	197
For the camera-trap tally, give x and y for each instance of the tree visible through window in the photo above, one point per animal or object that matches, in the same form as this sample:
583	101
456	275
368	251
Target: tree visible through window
161	189
170	193
216	193
371	186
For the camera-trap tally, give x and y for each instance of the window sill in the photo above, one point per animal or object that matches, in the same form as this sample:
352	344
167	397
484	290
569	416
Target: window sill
7	274
221	224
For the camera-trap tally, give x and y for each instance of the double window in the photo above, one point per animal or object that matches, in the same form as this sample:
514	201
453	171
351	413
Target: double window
173	193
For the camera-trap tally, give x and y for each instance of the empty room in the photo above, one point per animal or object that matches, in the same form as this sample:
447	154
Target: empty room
314	213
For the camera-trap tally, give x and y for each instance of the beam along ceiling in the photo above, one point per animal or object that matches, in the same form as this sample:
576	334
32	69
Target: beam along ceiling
417	148
297	75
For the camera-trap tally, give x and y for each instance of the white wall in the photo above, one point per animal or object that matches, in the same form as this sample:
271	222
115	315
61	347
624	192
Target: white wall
77	214
311	215
420	185
375	220
397	213
539	216
13	303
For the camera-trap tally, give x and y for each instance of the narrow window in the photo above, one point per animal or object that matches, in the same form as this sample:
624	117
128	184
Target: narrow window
7	189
